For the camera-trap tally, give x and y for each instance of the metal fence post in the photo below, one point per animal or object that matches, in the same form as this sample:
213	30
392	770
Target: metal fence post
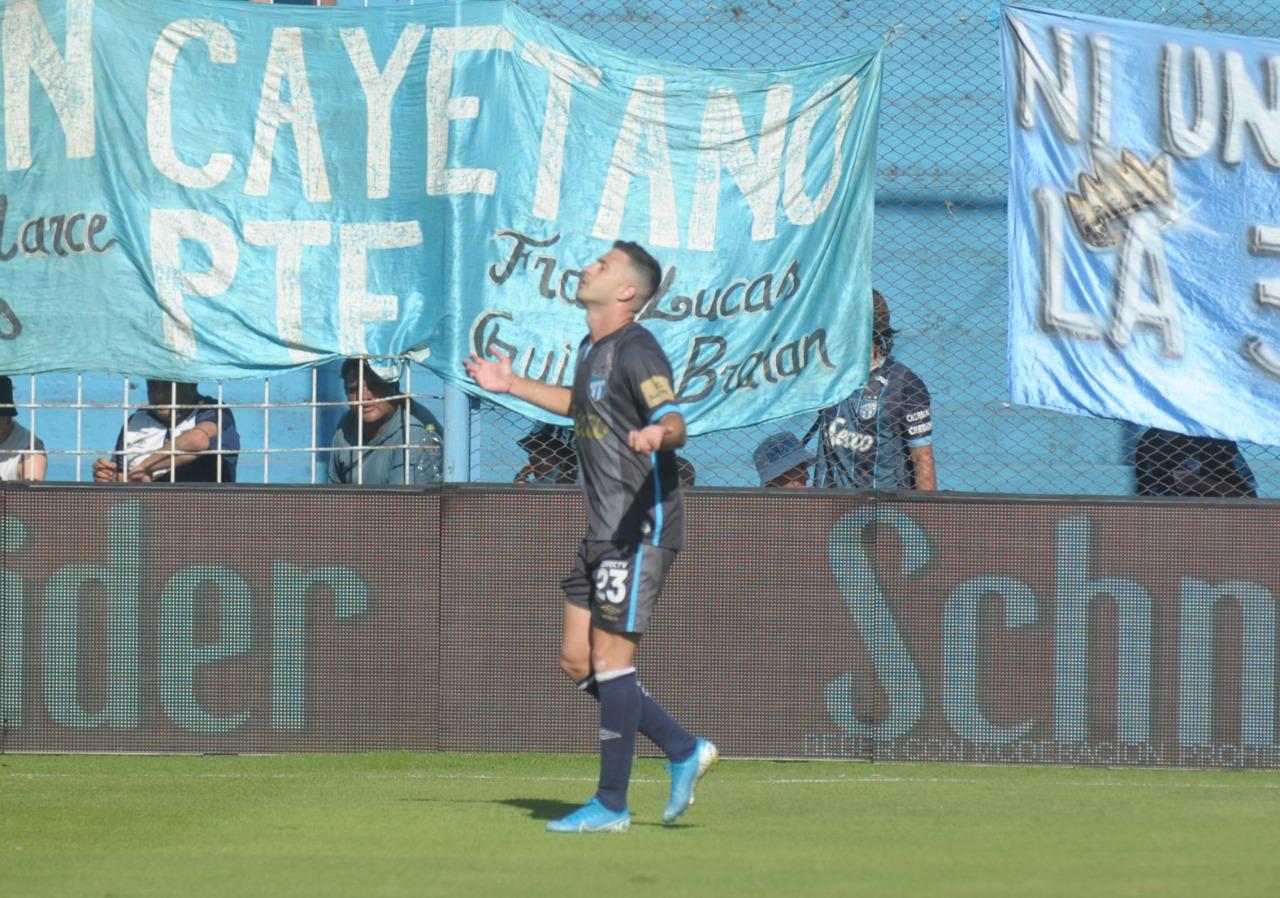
457	435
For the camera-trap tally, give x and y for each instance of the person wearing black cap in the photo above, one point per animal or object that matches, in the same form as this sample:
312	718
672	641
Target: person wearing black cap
21	452
552	458
882	436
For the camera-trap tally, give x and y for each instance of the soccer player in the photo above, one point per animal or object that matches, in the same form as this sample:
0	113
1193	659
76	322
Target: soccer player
626	426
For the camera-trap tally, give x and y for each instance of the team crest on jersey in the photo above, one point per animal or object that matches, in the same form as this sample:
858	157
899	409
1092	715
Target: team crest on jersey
868	409
595	389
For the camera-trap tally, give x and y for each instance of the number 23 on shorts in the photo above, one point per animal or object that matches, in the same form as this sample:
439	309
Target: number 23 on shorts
611	581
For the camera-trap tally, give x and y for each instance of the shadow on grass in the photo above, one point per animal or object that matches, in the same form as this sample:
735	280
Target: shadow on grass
541	808
546	809
538	808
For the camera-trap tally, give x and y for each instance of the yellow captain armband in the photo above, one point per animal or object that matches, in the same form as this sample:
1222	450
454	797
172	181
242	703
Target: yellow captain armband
657	390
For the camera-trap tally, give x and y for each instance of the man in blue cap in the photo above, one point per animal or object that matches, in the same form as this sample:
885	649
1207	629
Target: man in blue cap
782	461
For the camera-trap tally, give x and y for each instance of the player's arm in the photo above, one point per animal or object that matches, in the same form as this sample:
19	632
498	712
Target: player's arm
650	374
666	433
923	466
496	376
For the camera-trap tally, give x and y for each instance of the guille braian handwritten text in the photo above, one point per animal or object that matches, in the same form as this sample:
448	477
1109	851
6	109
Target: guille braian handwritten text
712	363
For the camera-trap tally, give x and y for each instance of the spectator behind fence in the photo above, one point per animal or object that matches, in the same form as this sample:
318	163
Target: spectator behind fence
21	452
177	429
781	460
552	458
370	443
1174	464
882	436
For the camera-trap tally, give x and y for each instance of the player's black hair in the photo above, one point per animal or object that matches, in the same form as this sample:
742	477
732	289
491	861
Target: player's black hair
647	266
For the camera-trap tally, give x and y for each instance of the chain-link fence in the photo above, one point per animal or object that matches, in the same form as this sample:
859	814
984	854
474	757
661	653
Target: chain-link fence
940	241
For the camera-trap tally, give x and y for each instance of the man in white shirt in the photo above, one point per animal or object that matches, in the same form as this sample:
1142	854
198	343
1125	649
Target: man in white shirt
22	454
178	436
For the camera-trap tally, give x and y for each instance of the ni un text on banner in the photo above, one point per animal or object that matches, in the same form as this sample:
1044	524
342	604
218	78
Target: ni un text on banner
1144	223
198	189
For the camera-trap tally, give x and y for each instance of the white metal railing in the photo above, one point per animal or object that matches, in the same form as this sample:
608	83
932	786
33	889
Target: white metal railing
71	424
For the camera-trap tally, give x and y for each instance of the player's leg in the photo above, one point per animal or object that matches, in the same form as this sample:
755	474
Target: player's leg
656	724
623	585
613	655
652	565
625	611
607	810
663	730
690	758
575	646
613	659
619	613
575	639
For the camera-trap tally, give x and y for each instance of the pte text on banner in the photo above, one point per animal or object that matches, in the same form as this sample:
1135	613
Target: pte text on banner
197	190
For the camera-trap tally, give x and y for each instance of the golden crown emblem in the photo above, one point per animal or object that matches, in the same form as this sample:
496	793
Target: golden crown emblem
1116	189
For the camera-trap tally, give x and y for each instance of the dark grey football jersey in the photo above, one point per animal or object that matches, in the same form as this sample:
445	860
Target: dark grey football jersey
621	384
865	442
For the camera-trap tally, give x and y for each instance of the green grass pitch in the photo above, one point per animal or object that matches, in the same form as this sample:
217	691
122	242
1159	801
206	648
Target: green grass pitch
374	825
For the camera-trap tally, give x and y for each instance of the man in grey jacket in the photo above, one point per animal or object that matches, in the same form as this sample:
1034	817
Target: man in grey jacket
385	437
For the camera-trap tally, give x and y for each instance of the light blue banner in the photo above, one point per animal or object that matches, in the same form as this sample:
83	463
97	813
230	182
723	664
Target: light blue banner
1144	223
198	189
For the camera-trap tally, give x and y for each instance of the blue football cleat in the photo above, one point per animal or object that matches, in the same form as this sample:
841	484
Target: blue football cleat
592	817
685	776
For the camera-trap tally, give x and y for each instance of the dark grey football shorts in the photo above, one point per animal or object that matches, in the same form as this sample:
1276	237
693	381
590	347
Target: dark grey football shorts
619	585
